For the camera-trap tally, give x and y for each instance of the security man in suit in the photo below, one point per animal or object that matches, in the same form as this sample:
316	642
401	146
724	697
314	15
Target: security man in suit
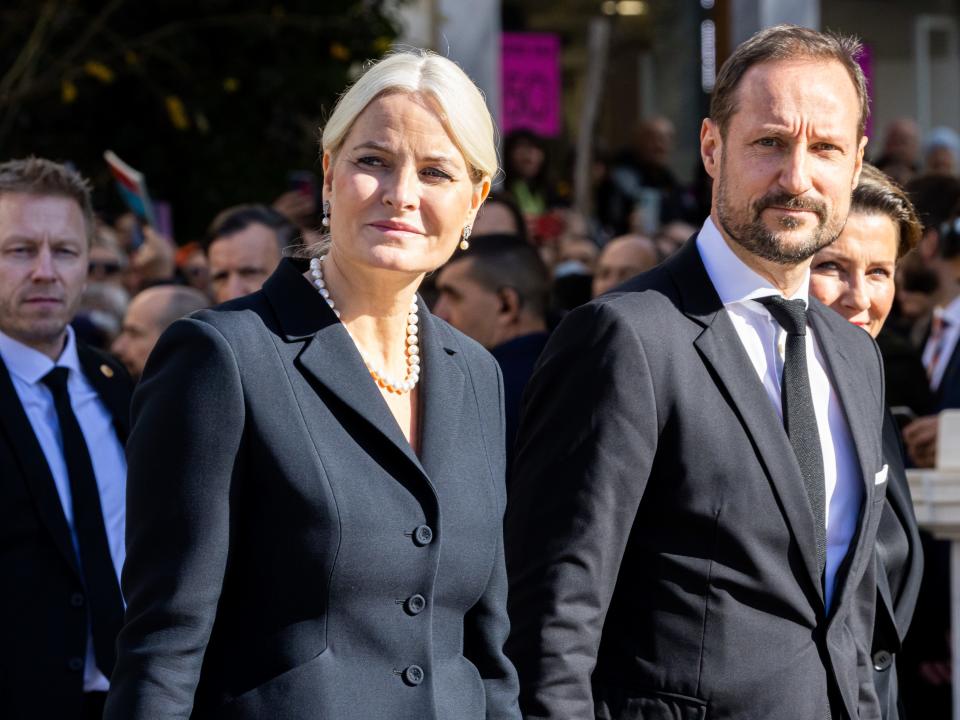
690	529
63	419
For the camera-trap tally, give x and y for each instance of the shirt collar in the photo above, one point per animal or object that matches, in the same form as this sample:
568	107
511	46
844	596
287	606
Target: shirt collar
733	280
32	365
951	313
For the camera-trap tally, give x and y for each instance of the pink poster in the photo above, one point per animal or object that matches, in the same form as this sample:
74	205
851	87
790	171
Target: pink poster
530	83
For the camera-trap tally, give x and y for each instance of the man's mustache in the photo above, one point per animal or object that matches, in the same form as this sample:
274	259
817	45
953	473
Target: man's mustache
791	202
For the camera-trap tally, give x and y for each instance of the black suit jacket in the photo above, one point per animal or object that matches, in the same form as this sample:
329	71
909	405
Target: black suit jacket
43	617
288	555
900	569
947	396
660	542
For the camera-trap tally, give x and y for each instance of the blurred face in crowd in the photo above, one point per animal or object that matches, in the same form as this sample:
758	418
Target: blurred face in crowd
621	259
578	249
105	265
855	275
902	142
526	159
940	161
240	263
399	188
196	269
142	326
495	218
469	306
655	141
786	166
43	268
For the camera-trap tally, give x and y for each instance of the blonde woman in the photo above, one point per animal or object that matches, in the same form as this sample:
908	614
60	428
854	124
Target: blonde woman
316	470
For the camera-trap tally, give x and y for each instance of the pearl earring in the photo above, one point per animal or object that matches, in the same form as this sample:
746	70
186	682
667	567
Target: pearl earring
325	220
465	238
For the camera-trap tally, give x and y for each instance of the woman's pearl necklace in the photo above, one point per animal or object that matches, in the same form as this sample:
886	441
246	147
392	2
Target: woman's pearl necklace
412	342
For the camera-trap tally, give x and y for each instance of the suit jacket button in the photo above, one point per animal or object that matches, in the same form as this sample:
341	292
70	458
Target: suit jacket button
423	535
413	675
882	660
76	600
75	664
415	604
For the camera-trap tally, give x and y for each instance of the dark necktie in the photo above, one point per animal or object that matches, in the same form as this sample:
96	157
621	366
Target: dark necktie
799	418
103	591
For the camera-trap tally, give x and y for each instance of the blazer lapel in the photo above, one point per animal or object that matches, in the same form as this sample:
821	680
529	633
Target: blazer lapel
33	467
721	348
329	359
112	387
441	397
853	389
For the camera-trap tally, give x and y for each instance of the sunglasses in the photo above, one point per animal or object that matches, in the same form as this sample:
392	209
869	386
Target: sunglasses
103	267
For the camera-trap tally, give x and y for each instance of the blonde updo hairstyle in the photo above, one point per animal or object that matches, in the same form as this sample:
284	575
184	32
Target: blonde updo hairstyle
438	80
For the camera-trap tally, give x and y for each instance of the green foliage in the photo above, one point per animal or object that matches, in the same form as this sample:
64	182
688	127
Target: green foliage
214	100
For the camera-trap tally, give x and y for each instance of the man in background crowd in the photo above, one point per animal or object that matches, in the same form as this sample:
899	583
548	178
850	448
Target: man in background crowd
61	499
497	292
621	259
148	315
244	245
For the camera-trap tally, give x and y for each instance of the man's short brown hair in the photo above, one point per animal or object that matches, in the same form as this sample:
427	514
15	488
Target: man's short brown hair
787	42
39	176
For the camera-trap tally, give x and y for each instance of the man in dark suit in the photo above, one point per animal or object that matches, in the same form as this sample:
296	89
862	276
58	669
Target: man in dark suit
63	419
690	530
497	292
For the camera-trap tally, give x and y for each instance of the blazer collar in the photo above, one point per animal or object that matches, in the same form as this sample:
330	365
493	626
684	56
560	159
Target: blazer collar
330	359
112	385
24	446
721	348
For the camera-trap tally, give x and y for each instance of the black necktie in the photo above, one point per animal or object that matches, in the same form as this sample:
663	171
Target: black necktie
799	418
103	591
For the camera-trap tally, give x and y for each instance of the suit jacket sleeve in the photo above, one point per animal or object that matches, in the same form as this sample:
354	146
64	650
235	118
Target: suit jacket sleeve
587	439
486	625
188	419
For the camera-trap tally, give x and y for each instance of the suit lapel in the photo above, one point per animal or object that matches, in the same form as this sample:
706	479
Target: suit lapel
722	350
329	358
111	386
33	467
856	396
441	397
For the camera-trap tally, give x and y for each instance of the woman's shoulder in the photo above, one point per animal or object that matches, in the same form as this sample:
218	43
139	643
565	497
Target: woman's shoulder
250	314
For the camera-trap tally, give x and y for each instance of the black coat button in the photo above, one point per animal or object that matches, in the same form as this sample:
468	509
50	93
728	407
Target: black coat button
76	600
75	664
415	604
413	675
882	660
423	535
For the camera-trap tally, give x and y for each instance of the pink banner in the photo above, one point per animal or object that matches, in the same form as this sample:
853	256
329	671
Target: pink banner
530	83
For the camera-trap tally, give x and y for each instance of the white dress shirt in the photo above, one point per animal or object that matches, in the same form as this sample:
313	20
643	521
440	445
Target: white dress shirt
948	343
27	367
764	340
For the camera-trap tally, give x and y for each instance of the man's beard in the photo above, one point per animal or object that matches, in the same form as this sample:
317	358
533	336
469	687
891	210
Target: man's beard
756	238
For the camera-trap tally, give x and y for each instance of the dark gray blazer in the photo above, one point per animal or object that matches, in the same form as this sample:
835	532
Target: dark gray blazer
660	543
288	555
